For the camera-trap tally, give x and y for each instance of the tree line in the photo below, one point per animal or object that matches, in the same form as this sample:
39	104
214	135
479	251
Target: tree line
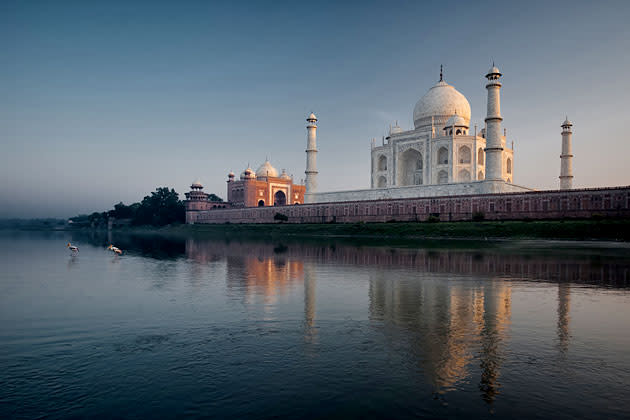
163	207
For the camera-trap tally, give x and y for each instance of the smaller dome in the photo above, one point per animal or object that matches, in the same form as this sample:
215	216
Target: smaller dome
311	117
395	129
248	174
285	175
566	122
231	175
266	170
456	121
196	184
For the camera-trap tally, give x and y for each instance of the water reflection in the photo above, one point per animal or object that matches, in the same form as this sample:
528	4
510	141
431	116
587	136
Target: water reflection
481	327
454	331
449	308
448	326
564	306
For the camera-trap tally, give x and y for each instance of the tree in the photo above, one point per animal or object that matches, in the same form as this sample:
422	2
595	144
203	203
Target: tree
162	207
214	197
121	211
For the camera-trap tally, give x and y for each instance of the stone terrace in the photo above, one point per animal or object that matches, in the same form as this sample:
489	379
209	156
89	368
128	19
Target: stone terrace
539	205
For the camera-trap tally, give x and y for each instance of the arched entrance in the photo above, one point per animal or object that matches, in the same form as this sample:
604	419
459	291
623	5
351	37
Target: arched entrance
261	203
279	199
411	168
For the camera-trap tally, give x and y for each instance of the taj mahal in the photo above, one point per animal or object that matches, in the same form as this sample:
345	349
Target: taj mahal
443	157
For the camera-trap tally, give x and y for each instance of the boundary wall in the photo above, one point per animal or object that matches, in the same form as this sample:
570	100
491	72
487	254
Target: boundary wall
535	205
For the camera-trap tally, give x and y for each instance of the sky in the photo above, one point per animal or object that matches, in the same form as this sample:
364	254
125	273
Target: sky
102	102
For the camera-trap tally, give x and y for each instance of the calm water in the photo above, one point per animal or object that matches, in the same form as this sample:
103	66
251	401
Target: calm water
271	328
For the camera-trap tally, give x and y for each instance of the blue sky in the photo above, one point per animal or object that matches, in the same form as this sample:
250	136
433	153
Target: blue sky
103	102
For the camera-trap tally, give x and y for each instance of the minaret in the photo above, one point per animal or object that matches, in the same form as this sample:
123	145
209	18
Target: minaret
311	154
494	146
566	169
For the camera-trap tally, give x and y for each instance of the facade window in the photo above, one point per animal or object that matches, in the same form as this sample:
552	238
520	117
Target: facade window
480	176
464	154
443	177
509	165
382	182
480	156
443	156
382	163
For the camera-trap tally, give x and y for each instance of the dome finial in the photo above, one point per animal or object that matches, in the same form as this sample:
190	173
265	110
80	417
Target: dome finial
441	73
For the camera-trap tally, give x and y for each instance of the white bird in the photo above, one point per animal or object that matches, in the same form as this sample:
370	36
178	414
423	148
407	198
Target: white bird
73	248
114	249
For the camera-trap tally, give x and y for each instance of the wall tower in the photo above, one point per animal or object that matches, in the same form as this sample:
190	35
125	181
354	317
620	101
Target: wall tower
311	154
566	169
494	145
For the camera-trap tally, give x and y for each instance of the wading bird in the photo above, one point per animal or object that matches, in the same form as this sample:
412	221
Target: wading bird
73	249
114	249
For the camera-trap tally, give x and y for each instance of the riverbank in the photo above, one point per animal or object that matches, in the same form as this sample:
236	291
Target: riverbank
607	229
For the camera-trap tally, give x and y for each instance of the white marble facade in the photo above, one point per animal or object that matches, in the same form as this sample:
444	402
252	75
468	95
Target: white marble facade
442	148
442	155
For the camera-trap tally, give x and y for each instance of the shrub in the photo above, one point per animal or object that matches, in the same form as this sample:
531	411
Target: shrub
280	217
433	219
478	216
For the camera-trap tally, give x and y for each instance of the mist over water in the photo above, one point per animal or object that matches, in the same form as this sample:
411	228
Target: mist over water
341	328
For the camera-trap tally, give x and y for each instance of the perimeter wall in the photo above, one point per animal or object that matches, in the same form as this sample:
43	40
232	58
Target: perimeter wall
539	205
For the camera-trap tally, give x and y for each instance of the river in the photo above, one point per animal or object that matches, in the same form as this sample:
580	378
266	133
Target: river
339	328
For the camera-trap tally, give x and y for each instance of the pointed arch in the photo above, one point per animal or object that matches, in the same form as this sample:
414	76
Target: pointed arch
464	154
442	156
382	182
480	176
279	199
508	165
442	177
480	156
411	168
382	163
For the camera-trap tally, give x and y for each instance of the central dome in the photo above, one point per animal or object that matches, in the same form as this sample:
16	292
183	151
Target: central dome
440	102
266	170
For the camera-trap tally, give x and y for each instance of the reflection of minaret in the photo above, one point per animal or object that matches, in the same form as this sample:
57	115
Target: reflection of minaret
564	306
310	302
497	314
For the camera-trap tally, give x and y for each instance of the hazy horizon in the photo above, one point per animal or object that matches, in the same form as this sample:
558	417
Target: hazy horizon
104	102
